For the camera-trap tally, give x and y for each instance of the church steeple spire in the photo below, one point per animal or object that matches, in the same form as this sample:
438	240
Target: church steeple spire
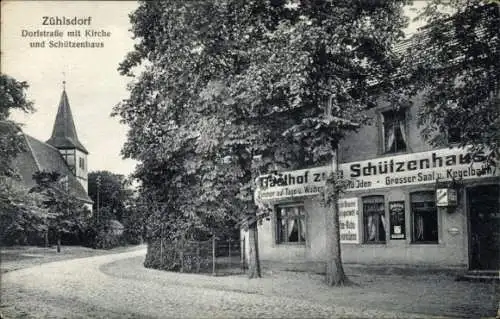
64	132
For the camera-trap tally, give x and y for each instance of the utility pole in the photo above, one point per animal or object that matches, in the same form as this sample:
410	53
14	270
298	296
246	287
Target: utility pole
98	187
46	232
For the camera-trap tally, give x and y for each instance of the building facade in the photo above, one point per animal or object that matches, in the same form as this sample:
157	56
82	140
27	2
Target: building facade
65	139
406	203
62	153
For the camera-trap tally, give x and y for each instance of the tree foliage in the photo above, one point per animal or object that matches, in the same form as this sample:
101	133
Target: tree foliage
454	64
64	212
225	81
134	220
116	203
12	97
19	215
22	219
113	192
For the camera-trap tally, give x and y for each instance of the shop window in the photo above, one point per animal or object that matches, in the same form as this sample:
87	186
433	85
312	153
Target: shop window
424	217
374	222
394	131
290	225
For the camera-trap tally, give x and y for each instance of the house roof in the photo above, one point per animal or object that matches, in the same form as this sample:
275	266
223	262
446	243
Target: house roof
40	156
64	132
448	32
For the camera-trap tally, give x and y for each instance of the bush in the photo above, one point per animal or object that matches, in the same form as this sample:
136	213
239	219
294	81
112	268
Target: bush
132	239
196	256
21	227
168	259
102	237
108	240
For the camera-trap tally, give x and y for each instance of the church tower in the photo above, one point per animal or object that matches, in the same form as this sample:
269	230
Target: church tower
65	139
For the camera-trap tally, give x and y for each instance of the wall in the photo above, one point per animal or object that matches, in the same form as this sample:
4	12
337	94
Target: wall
366	143
80	173
451	251
314	246
90	208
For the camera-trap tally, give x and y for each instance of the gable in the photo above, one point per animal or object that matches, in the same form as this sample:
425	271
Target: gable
44	157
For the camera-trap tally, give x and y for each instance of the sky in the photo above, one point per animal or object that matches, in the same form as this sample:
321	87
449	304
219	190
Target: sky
93	83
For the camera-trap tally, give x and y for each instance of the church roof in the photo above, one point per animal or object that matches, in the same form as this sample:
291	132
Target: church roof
40	156
64	132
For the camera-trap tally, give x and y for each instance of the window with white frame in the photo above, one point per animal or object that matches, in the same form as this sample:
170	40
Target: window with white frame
374	222
394	131
290	224
424	217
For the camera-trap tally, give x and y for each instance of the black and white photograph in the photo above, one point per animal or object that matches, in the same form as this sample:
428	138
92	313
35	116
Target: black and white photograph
250	159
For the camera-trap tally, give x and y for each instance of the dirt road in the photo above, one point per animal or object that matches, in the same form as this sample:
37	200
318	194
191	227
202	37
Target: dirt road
117	286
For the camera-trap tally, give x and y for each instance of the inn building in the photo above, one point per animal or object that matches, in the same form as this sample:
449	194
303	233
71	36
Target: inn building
406	203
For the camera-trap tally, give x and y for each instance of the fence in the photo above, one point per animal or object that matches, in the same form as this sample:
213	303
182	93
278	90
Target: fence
215	256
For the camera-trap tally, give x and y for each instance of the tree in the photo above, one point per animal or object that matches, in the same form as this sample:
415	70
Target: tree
228	81
113	192
22	219
318	66
64	211
453	64
113	200
134	220
178	126
16	213
12	97
196	149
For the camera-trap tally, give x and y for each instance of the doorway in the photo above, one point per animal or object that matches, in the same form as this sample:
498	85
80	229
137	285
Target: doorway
484	212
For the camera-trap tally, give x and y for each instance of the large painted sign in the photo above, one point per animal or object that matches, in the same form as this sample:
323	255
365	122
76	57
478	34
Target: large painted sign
294	183
348	220
391	171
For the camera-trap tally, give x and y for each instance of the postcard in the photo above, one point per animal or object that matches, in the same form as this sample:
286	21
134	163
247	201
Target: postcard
248	159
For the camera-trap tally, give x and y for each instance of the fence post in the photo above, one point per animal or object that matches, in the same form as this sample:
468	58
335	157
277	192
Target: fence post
243	253
181	253
161	252
229	250
197	256
213	255
161	246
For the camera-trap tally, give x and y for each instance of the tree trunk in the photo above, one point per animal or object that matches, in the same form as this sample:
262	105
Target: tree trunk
243	252
335	275
253	252
58	242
